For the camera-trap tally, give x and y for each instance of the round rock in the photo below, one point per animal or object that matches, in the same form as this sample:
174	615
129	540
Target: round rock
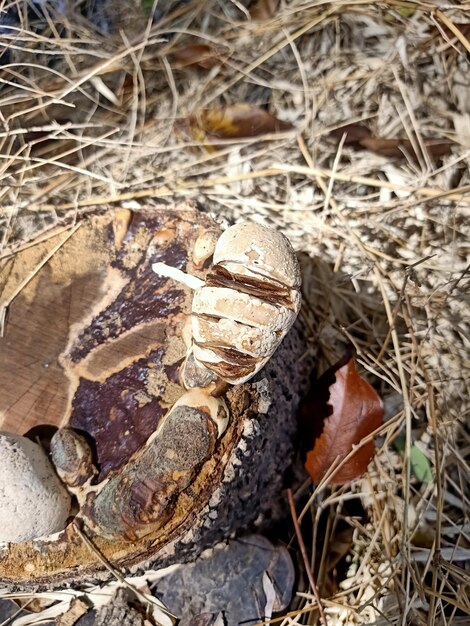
33	501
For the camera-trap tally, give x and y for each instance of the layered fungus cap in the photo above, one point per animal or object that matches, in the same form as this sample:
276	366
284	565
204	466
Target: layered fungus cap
252	249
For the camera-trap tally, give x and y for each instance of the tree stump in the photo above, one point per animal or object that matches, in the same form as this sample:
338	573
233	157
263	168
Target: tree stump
94	340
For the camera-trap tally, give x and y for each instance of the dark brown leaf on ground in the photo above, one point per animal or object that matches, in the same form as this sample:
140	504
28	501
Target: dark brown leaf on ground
195	54
355	133
444	32
340	411
359	137
236	121
263	9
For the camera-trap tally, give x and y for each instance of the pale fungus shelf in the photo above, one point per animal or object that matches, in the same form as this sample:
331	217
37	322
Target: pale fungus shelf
246	306
175	415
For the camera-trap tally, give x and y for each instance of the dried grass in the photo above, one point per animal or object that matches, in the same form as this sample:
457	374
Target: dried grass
93	120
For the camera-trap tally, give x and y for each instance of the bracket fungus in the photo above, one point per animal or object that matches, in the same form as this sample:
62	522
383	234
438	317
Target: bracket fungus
143	491
161	441
245	307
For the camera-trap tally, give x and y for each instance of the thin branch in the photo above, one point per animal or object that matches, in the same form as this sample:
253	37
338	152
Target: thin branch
305	559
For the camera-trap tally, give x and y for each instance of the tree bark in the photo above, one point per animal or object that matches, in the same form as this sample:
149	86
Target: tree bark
93	340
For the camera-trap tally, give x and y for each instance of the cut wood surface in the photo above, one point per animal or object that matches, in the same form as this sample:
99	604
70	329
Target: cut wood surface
94	340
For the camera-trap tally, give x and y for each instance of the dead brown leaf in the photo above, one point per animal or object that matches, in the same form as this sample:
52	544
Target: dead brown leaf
261	10
359	137
444	32
200	54
340	411
236	121
399	148
355	133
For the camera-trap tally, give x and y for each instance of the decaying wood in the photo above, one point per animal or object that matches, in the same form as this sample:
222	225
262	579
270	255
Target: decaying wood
94	341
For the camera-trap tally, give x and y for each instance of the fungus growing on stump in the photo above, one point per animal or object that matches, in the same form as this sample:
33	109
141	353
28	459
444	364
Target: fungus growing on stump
246	306
125	505
160	469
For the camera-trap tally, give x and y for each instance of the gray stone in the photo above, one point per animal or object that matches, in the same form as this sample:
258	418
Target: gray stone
244	579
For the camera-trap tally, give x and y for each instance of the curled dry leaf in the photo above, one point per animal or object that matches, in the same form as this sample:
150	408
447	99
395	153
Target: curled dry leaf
236	121
341	410
196	54
360	137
